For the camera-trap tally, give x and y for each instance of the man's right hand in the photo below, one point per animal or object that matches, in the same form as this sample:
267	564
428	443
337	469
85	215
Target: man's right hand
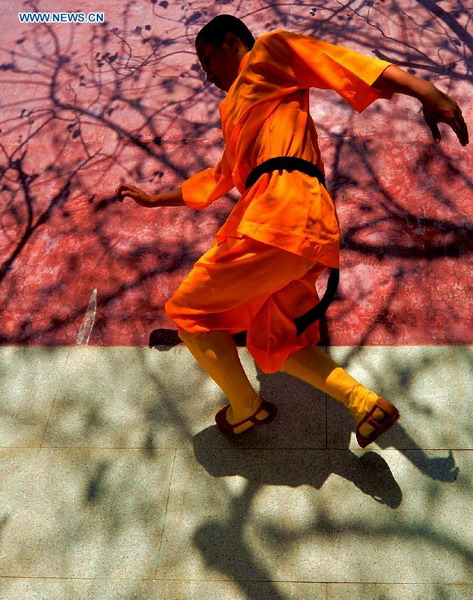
126	190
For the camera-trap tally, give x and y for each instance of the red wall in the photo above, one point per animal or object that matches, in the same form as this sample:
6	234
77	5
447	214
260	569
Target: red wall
84	107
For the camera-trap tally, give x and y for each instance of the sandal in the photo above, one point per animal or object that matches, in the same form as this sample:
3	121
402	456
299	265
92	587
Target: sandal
226	427
391	415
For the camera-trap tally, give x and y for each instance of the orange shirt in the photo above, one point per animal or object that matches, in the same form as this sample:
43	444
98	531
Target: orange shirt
266	114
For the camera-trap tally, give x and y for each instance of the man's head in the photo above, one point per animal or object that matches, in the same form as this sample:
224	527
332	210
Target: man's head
220	46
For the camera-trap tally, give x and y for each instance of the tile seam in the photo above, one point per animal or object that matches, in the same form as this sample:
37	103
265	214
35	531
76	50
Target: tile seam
55	398
296	581
266	448
165	516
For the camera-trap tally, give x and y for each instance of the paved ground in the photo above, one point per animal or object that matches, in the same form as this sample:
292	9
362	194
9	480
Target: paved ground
116	483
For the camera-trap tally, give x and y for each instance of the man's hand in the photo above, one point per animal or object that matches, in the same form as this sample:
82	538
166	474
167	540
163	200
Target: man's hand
440	108
126	190
437	106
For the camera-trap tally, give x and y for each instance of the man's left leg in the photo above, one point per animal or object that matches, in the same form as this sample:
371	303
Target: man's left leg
220	296
217	354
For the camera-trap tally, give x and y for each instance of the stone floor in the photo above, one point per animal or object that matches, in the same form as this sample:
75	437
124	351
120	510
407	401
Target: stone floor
116	483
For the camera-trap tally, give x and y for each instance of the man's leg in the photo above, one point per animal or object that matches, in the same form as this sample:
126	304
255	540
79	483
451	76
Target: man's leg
221	296
315	367
217	354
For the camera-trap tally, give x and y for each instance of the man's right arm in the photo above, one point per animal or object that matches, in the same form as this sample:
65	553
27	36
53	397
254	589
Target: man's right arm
200	190
171	198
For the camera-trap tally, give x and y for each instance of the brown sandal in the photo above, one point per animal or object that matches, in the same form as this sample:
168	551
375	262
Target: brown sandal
226	427
391	415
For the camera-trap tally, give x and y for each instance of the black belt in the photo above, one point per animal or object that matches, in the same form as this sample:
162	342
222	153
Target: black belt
292	163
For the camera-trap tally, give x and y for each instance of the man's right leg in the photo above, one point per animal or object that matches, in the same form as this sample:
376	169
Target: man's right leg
315	367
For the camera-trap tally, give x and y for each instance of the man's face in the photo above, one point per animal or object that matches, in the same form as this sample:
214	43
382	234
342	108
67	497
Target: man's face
221	64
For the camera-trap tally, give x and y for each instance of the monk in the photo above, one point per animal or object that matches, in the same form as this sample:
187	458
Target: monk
260	273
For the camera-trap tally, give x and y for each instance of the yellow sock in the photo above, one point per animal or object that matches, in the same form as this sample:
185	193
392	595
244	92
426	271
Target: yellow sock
315	367
217	354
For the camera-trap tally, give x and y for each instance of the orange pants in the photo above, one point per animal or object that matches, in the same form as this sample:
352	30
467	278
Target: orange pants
243	284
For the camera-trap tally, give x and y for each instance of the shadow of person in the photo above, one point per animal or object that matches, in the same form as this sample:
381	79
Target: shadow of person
340	429
280	386
294	467
438	468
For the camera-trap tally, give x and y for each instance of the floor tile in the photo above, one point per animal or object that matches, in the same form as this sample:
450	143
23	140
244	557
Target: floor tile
374	591
316	515
67	589
87	513
241	590
76	589
137	398
29	378
17	471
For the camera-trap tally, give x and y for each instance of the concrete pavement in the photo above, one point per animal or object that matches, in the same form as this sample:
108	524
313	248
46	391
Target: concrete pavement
116	483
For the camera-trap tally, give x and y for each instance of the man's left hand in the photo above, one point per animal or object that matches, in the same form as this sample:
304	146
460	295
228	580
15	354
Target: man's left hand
440	108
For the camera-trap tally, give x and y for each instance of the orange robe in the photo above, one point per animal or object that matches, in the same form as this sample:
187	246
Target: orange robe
266	114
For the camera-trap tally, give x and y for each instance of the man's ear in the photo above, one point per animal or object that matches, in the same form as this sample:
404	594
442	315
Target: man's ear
231	41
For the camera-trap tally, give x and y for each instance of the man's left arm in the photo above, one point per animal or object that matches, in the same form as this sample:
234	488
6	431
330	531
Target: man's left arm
437	106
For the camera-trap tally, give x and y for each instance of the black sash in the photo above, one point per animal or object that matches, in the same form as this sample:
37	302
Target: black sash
292	163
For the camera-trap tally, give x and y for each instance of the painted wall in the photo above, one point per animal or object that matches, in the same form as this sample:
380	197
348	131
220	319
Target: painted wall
84	107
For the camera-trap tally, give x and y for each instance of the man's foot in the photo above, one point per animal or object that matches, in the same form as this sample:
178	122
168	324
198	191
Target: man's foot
226	422
380	418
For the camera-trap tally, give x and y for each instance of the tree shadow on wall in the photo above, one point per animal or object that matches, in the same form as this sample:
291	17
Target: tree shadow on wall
77	126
